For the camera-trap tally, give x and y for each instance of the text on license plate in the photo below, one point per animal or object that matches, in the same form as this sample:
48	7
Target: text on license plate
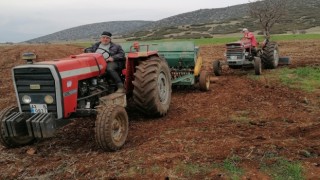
233	57
39	108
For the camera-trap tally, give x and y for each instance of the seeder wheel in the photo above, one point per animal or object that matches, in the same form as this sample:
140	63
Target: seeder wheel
204	80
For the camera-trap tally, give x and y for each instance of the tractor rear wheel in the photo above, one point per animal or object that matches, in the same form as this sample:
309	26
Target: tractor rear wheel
204	81
217	69
270	55
111	127
257	66
152	87
11	142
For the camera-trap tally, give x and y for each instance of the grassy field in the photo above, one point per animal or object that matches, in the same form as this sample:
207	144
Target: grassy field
304	78
226	39
223	40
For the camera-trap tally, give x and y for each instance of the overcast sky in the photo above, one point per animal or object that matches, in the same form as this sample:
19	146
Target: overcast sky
22	20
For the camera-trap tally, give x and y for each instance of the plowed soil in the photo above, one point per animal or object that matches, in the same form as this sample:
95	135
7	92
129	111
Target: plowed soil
251	119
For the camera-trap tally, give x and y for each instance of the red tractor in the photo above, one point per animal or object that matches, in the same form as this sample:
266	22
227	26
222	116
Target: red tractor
50	93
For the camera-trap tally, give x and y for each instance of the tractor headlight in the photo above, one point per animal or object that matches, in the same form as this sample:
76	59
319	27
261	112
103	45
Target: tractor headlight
48	99
26	99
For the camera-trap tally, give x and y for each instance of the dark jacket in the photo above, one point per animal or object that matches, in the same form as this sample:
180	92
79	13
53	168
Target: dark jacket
115	50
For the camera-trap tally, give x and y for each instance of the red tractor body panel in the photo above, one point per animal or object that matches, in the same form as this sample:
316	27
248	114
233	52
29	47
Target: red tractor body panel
74	69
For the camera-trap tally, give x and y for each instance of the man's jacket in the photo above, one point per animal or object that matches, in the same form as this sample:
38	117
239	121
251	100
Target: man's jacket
115	50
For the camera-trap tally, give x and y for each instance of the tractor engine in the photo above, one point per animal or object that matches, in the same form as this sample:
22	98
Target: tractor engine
90	90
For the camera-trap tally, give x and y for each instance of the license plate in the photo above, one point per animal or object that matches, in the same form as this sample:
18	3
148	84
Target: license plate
39	108
233	57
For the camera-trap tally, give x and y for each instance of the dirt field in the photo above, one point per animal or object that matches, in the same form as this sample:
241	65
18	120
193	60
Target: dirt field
253	120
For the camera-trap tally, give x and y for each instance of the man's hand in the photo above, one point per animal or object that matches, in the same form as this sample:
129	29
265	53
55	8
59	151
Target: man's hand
110	59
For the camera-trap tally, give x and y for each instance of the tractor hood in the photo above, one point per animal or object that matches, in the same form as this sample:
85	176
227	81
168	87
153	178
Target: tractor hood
82	65
243	43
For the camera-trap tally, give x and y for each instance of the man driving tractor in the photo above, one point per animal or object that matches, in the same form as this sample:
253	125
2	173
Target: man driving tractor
249	35
114	55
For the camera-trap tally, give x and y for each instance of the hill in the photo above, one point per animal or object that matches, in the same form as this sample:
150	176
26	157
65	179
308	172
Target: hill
301	15
201	23
91	31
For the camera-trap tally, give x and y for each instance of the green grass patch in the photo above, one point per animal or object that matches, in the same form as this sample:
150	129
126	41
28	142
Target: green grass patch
192	169
227	39
240	117
84	44
282	169
218	40
200	120
291	37
231	166
283	37
305	78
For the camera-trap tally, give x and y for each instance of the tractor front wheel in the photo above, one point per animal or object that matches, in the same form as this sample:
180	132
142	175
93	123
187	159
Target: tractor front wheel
257	66
204	81
8	141
152	87
111	127
217	69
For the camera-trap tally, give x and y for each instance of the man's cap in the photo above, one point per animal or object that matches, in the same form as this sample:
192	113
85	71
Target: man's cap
244	29
106	33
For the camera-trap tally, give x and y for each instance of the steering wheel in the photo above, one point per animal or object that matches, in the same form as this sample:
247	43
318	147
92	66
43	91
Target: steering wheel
105	51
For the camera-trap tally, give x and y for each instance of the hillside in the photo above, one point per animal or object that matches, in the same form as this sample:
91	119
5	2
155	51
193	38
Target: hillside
91	31
201	16
201	23
301	15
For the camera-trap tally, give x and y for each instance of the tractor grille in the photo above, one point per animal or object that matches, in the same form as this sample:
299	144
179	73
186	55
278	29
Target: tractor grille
234	51
36	83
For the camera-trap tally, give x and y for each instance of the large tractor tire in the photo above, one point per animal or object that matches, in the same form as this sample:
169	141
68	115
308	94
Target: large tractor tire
204	80
257	66
270	55
152	87
11	142
217	69
111	127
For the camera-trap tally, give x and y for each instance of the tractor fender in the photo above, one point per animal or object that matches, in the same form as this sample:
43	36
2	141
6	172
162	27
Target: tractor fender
198	66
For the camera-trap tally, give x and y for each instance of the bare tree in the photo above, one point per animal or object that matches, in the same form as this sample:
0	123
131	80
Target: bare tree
268	12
